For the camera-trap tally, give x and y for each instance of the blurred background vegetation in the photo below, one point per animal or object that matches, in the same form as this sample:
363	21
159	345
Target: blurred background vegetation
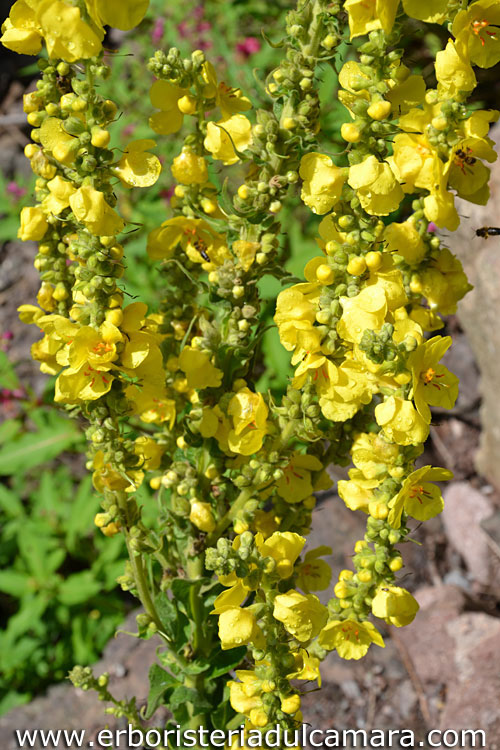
59	603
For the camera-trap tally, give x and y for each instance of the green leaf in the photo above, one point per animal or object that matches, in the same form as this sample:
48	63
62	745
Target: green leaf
78	588
222	715
8	377
9	429
13	583
10	502
182	695
159	682
224	661
34	448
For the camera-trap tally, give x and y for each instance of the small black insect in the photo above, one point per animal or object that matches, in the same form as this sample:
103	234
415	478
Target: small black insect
202	249
486	232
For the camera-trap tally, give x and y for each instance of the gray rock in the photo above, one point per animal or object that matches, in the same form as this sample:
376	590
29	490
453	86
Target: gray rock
479	312
464	509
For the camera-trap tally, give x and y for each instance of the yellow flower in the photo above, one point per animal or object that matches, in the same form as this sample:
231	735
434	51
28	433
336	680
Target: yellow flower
245	252
237	627
60	192
54	138
21	32
373	455
198	240
466	172
401	422
149	451
389	278
415	161
225	136
232	598
350	638
200	372
454	73
165	97
368	15
189	168
137	167
417	497
284	547
29	313
314	574
90	207
395	605
33	224
405	240
249	413
430	11
41	166
476	30
367	310
295	484
432	383
352	80
302	615
151	403
66	34
407	91
229	100
97	347
323	182
86	384
122	14
295	317
439	206
357	492
106	477
202	517
244	696
306	667
376	186
444	283
342	396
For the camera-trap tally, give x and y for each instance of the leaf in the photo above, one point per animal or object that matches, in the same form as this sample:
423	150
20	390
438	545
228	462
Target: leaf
159	682
10	503
8	377
14	583
224	661
34	448
182	695
78	588
9	429
222	715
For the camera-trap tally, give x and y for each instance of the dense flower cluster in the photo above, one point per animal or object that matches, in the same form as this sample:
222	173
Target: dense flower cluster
171	395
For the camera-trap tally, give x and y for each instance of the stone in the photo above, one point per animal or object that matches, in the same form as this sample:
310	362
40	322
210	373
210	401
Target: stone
473	698
464	509
479	313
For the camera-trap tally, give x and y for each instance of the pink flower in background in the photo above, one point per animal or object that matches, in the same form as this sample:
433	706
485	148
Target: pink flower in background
5	337
15	190
158	31
167	194
183	29
431	227
128	130
248	46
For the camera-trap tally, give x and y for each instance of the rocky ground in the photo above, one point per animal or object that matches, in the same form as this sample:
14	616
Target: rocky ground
441	672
